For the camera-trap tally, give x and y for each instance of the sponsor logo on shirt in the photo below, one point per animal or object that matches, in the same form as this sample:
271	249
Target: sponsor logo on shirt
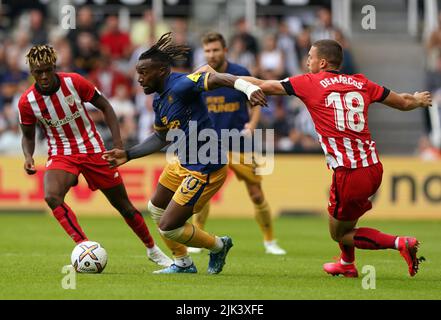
61	122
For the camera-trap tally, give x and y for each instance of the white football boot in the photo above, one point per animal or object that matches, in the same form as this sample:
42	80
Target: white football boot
156	255
271	247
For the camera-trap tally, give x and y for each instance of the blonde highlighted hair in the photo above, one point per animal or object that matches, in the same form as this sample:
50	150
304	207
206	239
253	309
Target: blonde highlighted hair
41	54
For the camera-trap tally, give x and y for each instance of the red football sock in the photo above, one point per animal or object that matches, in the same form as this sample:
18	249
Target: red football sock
371	239
347	253
137	223
66	217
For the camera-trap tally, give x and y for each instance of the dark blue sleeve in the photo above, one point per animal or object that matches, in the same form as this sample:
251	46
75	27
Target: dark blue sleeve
187	86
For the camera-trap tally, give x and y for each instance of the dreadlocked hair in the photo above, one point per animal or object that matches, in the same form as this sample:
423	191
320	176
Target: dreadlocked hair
165	51
41	54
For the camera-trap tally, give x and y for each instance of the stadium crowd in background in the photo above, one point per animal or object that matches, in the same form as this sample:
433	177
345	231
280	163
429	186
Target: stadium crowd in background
106	55
429	148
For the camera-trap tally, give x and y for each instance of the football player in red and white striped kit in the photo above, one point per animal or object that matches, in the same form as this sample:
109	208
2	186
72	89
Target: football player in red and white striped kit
338	104
56	102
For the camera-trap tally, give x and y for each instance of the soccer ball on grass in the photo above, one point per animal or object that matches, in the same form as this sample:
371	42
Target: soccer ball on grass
89	257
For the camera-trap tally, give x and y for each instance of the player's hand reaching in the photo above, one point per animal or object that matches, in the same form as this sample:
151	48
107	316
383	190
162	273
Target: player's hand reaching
29	166
115	157
258	98
424	99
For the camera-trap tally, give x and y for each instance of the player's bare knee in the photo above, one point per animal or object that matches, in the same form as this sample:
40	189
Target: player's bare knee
127	212
125	208
53	200
164	225
336	237
257	198
256	195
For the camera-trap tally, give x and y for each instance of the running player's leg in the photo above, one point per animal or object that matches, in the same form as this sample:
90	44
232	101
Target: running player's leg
244	166
199	220
174	226
56	185
345	266
193	193
262	213
349	200
156	207
119	199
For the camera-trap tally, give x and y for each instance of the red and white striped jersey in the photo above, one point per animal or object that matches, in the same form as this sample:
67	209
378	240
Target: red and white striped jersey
63	117
338	104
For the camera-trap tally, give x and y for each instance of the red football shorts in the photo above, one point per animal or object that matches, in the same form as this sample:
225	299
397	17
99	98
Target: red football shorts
351	190
92	166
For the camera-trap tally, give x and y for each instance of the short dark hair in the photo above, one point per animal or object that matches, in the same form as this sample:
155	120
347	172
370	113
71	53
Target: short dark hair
330	50
165	51
213	37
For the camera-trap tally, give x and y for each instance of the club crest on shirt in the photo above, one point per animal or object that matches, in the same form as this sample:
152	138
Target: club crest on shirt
70	100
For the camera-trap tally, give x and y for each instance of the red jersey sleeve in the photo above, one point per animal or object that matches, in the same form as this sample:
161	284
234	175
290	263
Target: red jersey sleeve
297	85
25	114
86	90
376	92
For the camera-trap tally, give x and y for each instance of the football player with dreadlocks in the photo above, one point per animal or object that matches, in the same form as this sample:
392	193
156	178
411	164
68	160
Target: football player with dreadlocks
185	186
56	101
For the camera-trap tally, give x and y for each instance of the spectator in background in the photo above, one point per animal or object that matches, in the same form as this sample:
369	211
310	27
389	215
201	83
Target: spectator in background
65	61
274	116
302	134
303	44
146	28
19	47
11	78
433	76
286	43
38	30
323	28
85	23
348	65
10	138
144	108
426	149
88	53
122	104
239	55
433	46
3	66
248	39
271	61
180	38
115	42
107	78
128	132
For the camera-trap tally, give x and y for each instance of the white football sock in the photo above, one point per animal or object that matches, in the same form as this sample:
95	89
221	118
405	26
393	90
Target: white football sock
183	262
218	245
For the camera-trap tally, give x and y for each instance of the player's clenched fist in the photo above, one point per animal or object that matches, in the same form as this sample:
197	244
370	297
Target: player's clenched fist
115	157
29	166
424	98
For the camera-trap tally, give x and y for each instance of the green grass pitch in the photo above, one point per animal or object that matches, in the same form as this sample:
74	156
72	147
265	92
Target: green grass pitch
33	250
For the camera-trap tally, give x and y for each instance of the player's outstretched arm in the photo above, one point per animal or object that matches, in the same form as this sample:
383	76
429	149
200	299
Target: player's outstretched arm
407	102
28	146
111	119
152	144
269	87
254	93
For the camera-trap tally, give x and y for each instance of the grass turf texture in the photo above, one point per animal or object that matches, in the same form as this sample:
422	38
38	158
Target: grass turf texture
34	249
